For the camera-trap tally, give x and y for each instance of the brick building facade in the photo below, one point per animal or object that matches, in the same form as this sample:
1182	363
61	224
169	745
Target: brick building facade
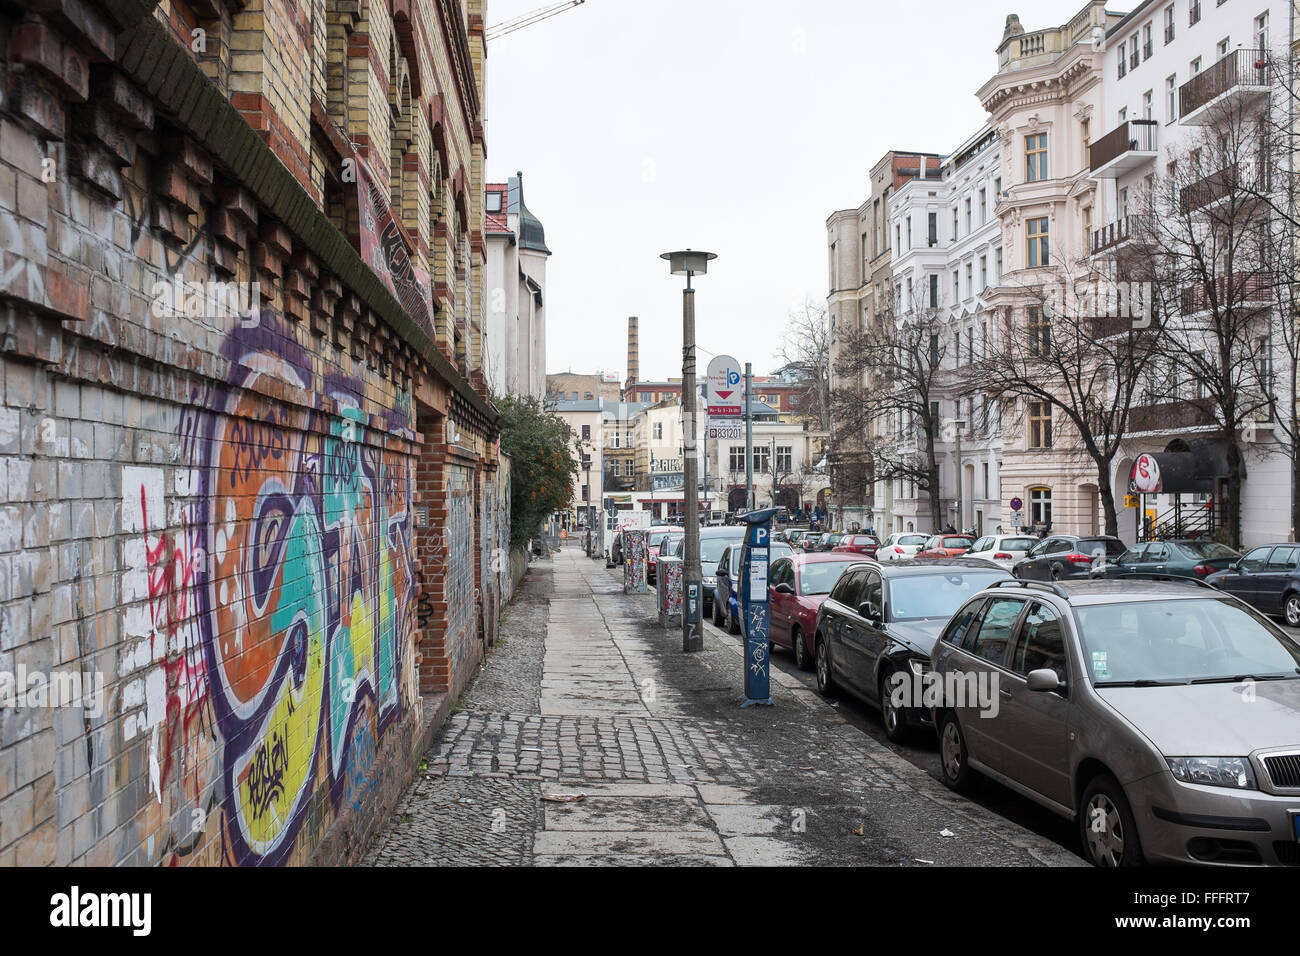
249	471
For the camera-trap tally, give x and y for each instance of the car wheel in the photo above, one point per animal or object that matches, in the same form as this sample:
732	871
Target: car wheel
799	647
1056	572
825	682
733	626
1291	609
717	615
953	760
1106	825
893	718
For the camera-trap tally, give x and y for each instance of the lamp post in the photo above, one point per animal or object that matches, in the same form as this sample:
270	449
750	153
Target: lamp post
688	263
958	424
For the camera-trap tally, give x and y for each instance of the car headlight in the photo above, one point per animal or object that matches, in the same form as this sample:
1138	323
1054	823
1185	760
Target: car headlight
710	582
1234	772
918	666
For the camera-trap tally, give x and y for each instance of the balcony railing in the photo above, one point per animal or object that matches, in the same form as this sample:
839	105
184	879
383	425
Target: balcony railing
1228	292
1129	137
1211	189
1239	70
1111	234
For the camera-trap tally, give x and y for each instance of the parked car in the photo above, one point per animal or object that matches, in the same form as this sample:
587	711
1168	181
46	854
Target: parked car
654	540
883	619
666	546
1267	579
1184	557
796	586
713	541
1064	556
726	593
945	546
810	540
863	544
1003	549
829	540
796	537
1121	707
901	545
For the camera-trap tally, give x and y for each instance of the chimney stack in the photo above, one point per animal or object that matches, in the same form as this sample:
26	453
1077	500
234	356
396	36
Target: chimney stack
633	354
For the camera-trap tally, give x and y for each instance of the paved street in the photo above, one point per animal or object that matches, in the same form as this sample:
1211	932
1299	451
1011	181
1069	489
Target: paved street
588	697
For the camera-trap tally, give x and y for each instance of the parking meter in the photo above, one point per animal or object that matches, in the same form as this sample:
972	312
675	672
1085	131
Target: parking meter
755	612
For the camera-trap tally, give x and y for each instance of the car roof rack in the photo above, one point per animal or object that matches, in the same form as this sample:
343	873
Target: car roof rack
1158	576
1043	585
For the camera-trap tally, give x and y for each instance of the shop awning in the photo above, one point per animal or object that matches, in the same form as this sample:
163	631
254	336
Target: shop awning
1183	467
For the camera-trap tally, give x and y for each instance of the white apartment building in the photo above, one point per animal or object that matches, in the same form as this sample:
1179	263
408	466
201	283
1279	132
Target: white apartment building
947	254
1165	66
586	422
515	359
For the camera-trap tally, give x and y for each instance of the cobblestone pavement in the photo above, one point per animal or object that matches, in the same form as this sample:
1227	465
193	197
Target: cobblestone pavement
589	697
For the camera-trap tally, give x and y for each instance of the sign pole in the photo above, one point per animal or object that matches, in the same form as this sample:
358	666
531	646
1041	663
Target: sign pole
749	438
755	612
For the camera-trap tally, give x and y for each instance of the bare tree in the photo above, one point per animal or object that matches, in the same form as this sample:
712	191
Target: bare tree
1073	351
1220	259
806	351
885	402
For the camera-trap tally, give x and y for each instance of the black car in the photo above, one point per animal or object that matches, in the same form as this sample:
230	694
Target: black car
1062	556
883	619
1267	578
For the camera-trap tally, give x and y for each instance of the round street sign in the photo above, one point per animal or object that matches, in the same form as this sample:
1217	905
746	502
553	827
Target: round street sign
1016	504
725	394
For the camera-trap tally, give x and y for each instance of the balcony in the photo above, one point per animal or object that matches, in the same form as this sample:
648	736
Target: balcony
1113	234
1208	192
1129	145
1248	290
1235	82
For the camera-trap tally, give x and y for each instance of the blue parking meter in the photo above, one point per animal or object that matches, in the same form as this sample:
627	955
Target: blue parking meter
755	612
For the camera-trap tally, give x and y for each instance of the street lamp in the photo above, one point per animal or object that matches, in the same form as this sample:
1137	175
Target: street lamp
958	424
688	263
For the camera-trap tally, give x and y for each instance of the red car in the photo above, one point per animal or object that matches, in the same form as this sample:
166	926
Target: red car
796	586
656	543
864	544
946	546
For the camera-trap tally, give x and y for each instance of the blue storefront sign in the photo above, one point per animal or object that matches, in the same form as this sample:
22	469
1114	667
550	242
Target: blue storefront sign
755	616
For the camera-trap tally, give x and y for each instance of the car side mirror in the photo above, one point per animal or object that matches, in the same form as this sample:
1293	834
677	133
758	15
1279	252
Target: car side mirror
1235	566
869	611
1044	679
783	588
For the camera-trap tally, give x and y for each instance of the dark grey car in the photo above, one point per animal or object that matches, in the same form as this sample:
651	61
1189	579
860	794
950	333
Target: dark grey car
882	619
1163	717
713	541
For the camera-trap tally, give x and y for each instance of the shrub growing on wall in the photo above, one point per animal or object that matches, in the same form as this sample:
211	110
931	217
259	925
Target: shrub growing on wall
541	448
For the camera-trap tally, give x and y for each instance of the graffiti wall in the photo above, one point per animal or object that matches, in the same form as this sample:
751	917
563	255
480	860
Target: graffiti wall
461	599
269	606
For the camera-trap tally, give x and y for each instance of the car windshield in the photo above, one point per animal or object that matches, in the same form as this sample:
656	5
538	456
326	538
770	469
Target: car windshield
819	577
1184	641
657	538
1016	544
916	596
910	539
669	545
711	548
1210	550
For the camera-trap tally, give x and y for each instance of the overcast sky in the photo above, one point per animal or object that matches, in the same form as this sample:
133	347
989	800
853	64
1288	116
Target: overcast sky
734	126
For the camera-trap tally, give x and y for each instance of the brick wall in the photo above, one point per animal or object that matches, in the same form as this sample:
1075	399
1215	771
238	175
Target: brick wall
224	457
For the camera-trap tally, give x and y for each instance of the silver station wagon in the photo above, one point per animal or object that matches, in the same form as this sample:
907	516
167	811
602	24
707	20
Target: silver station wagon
1163	717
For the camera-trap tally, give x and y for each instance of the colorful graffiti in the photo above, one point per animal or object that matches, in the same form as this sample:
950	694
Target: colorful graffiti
281	612
635	562
669	572
460	564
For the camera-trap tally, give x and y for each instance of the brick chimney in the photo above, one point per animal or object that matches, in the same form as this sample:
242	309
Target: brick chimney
633	357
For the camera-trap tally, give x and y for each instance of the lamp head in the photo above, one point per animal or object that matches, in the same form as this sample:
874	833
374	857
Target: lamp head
688	262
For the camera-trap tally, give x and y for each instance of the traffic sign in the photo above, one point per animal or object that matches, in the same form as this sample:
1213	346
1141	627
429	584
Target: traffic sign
1016	504
724	397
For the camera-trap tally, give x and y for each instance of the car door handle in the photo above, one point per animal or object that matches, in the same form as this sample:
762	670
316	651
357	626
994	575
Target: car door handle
1004	694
